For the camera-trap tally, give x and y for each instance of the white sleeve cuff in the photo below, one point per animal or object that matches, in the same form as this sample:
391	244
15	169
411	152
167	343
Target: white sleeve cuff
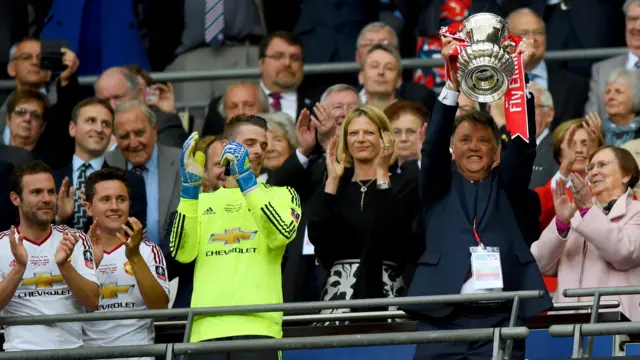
449	97
304	161
557	177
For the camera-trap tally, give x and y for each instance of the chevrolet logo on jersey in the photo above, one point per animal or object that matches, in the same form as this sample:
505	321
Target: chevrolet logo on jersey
42	280
110	291
233	236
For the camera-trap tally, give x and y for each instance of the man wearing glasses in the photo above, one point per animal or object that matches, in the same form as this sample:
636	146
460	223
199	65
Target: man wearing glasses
28	119
24	67
280	61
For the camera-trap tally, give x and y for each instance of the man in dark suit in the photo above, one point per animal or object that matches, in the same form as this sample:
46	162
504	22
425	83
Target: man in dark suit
466	207
242	98
569	91
545	166
571	22
91	127
118	85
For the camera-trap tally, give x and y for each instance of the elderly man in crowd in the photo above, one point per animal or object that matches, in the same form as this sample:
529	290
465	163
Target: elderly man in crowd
631	60
118	85
135	127
241	98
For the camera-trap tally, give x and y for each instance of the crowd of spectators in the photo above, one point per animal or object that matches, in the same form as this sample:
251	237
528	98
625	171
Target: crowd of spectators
341	141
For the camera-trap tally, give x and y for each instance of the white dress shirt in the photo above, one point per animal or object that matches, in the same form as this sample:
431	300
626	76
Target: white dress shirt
632	60
540	75
76	162
288	102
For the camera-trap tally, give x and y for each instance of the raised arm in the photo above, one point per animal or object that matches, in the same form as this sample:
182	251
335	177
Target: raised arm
435	171
435	174
517	162
186	230
74	257
275	210
9	282
618	244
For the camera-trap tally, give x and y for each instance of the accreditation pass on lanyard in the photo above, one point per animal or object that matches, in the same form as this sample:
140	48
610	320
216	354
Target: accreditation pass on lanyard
486	269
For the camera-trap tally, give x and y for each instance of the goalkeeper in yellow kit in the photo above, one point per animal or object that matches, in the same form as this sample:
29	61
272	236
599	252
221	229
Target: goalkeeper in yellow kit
237	236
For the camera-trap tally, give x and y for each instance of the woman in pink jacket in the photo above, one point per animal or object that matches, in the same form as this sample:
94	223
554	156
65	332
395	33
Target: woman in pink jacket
595	241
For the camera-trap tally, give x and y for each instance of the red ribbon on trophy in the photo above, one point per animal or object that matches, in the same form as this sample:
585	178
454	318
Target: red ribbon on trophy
515	103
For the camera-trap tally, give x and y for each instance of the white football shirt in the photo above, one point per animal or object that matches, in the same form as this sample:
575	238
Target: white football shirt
44	292
119	292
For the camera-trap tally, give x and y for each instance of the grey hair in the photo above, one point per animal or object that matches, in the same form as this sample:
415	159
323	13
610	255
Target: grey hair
386	48
279	120
627	5
631	77
263	100
545	95
522	11
377	26
130	79
337	88
13	52
132	104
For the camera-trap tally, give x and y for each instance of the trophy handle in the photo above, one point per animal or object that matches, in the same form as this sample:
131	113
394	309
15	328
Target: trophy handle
509	46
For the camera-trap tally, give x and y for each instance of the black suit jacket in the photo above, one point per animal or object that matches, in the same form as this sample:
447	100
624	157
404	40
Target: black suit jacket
415	92
170	130
569	92
178	269
449	211
607	31
545	166
8	212
302	278
137	194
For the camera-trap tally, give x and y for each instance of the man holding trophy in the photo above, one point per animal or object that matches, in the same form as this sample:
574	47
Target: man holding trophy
470	210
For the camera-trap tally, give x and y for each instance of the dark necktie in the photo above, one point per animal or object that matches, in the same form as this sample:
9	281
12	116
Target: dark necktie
275	101
138	169
79	212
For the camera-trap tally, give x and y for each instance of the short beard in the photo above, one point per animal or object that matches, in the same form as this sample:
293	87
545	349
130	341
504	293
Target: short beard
287	86
34	220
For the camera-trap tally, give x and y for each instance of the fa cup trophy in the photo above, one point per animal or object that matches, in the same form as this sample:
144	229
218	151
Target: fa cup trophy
485	65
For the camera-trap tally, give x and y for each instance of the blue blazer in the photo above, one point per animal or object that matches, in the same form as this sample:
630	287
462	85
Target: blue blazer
102	33
448	210
137	195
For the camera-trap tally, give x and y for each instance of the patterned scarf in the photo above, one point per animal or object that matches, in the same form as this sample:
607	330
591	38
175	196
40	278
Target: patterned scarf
619	134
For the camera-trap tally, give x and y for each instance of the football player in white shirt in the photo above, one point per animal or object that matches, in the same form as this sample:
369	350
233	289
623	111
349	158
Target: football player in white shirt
132	272
44	269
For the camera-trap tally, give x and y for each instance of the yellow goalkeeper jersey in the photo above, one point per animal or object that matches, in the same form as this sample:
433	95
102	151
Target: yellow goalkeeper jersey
237	242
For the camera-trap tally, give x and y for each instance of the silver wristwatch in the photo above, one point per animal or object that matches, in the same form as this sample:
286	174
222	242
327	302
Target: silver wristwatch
383	185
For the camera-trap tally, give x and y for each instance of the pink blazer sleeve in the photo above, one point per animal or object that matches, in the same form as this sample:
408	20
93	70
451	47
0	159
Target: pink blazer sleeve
548	249
618	242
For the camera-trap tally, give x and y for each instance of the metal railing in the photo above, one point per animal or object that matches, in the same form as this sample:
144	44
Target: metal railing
340	67
502	337
593	328
386	315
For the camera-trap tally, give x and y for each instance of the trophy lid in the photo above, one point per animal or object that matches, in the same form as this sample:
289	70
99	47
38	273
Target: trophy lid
485	27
